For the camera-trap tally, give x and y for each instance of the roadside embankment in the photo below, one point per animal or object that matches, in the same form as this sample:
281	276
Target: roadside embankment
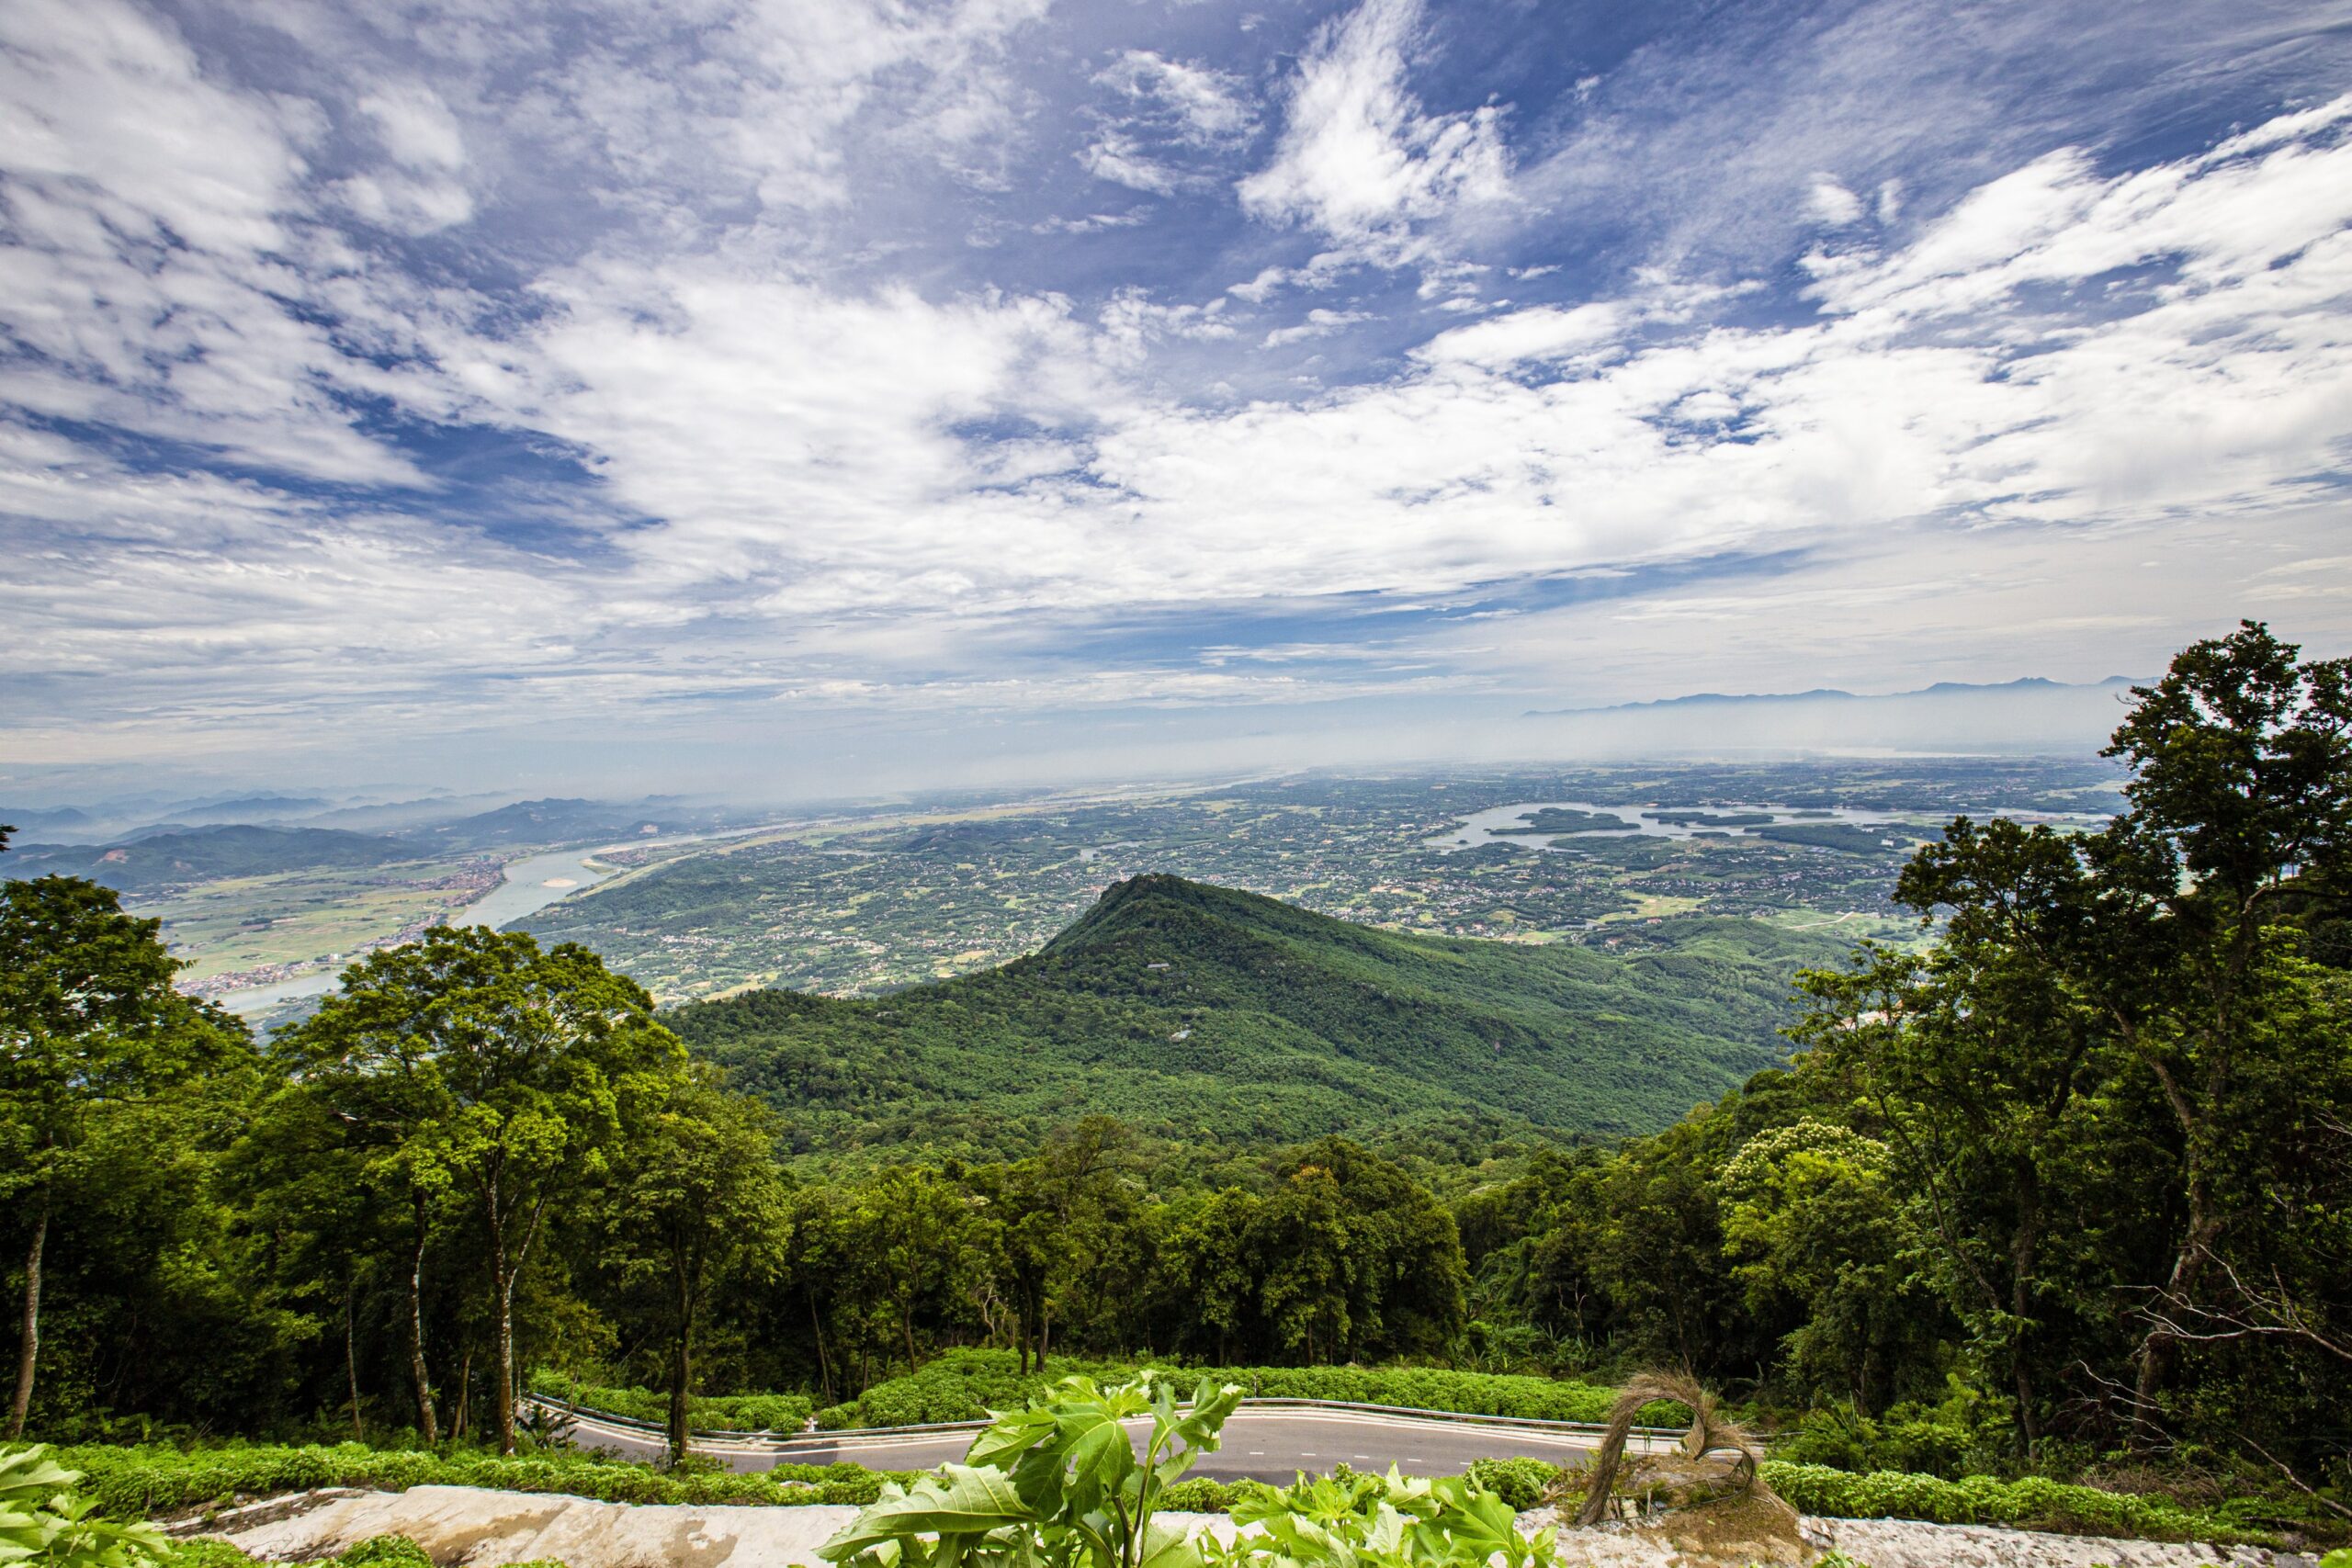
463	1527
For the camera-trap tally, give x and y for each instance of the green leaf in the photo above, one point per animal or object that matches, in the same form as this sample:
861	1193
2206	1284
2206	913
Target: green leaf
960	1500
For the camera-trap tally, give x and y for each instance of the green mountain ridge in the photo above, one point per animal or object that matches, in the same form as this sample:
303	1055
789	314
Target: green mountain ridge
199	854
1192	1010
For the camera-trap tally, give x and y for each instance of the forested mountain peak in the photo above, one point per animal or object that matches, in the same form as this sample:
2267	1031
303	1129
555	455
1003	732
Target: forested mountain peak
1178	912
1185	1008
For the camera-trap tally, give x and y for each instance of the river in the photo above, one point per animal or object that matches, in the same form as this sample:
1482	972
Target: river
531	885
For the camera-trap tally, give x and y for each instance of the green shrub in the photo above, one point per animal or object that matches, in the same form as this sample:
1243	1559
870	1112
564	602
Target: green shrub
1199	1495
1967	1432
1519	1482
385	1551
131	1482
2032	1503
965	1385
206	1554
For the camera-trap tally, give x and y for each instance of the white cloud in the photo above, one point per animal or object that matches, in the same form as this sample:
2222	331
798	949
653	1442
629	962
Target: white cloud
848	475
1132	323
1827	201
1208	107
1359	159
416	127
1318	324
156	258
1543	331
1170	114
1116	157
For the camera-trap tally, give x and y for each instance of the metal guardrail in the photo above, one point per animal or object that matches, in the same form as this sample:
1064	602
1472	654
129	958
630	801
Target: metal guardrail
787	1440
608	1418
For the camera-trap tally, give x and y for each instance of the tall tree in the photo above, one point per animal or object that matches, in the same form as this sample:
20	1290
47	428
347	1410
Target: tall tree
915	1227
2240	806
89	1023
503	1060
695	1196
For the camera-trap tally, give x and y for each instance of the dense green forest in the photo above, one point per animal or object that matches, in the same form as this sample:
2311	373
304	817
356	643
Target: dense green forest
2065	1189
1223	1019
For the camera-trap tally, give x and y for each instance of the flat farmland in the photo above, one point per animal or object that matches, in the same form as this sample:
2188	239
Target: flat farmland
238	925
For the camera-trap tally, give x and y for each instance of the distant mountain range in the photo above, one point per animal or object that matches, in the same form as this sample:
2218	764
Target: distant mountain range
2025	687
1201	1012
204	853
2033	715
143	858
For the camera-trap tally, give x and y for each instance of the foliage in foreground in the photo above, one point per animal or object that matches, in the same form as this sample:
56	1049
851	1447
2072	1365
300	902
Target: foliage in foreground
965	1385
43	1524
1059	1482
129	1484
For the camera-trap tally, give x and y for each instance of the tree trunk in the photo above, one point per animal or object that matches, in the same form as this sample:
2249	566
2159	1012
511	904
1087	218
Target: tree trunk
681	1371
824	1362
502	1401
427	1426
351	1352
464	1401
2023	1249
31	1350
2156	1350
907	1324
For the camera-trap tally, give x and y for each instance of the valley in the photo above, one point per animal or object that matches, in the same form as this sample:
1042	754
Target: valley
698	901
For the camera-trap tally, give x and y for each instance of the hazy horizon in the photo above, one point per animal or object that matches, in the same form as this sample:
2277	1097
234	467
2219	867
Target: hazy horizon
866	763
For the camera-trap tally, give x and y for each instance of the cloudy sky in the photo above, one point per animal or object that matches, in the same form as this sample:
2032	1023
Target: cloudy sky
835	388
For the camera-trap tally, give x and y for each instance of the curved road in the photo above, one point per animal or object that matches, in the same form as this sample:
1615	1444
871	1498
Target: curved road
1260	1444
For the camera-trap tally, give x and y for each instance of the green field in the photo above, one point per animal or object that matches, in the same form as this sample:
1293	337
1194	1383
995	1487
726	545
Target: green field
241	923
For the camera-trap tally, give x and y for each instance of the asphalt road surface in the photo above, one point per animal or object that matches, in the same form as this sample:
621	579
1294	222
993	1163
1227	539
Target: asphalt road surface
1260	1444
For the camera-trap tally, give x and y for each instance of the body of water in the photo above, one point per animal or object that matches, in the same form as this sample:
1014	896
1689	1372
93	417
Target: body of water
532	884
1493	825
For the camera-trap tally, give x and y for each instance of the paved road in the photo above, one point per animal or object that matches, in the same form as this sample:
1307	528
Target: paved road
1260	1444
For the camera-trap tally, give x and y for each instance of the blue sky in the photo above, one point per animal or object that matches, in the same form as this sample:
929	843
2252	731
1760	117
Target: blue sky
441	392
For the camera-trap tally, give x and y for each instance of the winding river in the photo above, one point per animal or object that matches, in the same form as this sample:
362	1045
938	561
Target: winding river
531	885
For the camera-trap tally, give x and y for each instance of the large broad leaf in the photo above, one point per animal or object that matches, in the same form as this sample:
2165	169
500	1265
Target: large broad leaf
1472	1527
1011	1436
960	1500
1168	1546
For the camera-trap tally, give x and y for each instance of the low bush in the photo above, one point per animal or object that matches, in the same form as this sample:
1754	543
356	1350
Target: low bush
964	1385
1967	1433
2031	1503
141	1481
376	1552
1521	1483
705	1412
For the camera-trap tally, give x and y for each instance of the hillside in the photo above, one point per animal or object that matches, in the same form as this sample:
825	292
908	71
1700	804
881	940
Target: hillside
1193	1009
197	854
